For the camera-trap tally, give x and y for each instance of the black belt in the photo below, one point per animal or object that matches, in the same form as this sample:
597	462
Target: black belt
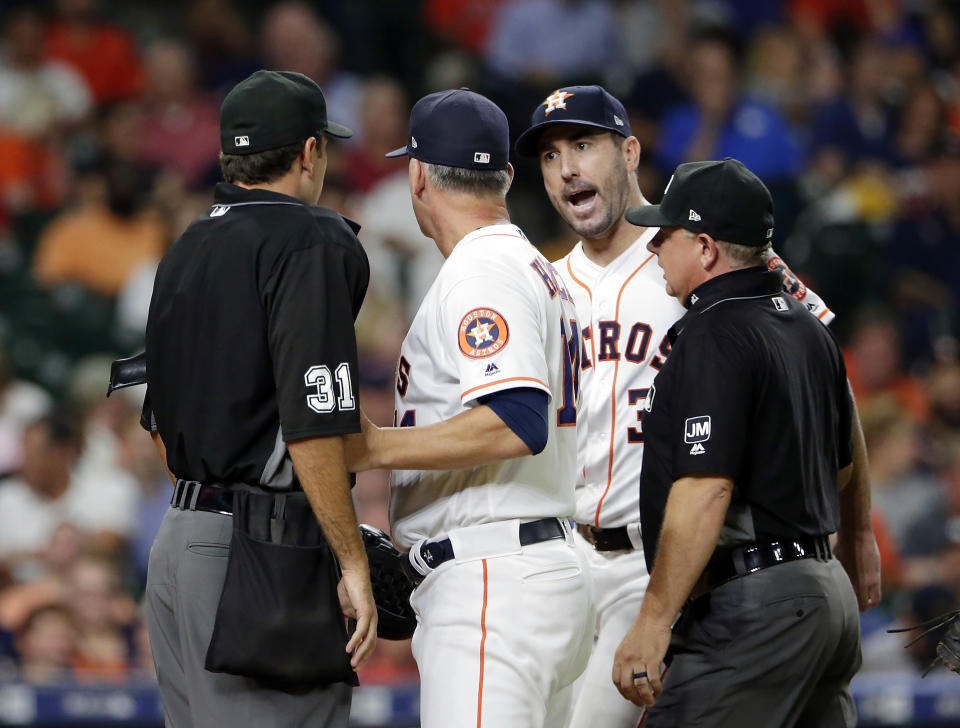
606	539
751	558
189	495
435	553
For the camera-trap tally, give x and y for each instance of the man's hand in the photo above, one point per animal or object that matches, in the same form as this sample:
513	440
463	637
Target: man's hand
360	450
356	600
641	651
860	556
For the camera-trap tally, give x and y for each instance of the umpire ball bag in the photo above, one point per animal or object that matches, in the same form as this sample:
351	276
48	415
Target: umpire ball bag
279	618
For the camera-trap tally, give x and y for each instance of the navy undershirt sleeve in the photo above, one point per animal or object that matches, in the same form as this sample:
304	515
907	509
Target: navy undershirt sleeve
523	410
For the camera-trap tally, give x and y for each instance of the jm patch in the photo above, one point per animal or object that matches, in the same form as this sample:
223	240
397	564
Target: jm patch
696	429
483	332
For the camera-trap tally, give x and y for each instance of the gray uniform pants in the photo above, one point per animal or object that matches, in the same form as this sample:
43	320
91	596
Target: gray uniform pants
188	562
774	649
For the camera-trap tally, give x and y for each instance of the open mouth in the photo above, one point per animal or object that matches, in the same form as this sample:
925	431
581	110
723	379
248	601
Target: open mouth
581	198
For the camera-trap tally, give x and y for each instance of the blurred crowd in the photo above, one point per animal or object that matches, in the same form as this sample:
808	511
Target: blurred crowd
848	109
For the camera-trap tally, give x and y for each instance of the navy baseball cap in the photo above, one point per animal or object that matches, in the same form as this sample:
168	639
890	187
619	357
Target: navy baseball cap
273	109
585	105
722	199
458	128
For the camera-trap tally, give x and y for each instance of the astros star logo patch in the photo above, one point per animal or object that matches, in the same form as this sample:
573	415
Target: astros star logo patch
482	333
556	100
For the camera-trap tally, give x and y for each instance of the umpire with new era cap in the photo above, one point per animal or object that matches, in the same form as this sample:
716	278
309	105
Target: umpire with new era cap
252	383
748	441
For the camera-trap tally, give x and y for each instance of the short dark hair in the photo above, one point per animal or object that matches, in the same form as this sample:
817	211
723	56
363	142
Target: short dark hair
260	167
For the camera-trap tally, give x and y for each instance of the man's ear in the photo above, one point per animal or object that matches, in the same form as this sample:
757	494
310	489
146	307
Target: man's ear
510	172
631	153
306	154
417	173
709	251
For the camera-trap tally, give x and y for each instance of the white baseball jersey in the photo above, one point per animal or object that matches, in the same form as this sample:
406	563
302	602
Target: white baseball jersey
625	313
496	317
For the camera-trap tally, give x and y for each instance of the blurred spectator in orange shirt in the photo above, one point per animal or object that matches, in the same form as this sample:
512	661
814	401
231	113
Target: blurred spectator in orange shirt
181	127
116	227
99	245
105	55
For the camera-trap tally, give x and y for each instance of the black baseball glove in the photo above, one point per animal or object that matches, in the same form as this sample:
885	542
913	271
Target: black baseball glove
391	585
948	648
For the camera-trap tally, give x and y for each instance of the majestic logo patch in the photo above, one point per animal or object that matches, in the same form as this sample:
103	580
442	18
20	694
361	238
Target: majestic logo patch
241	141
556	100
491	370
696	429
482	333
697	449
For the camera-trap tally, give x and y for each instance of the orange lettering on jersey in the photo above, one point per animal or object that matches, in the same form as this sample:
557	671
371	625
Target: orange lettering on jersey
482	332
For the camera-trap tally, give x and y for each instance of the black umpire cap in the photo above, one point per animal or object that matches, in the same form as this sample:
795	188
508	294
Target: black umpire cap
458	128
584	105
723	199
273	109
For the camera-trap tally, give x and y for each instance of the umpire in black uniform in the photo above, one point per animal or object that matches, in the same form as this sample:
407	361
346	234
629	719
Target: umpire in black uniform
748	442
252	382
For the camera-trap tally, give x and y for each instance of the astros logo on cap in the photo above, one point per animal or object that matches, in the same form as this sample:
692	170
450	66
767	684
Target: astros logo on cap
556	100
483	332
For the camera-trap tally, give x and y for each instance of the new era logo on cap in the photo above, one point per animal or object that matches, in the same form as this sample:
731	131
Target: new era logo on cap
242	141
694	215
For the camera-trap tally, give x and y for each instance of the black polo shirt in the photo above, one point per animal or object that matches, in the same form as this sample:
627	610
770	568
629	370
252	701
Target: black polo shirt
754	390
250	339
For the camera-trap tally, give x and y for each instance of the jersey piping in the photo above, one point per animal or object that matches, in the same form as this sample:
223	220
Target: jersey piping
584	286
483	641
613	393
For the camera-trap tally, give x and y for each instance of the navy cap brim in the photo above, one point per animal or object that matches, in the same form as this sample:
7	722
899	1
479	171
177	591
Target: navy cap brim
648	216
401	152
528	143
338	130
